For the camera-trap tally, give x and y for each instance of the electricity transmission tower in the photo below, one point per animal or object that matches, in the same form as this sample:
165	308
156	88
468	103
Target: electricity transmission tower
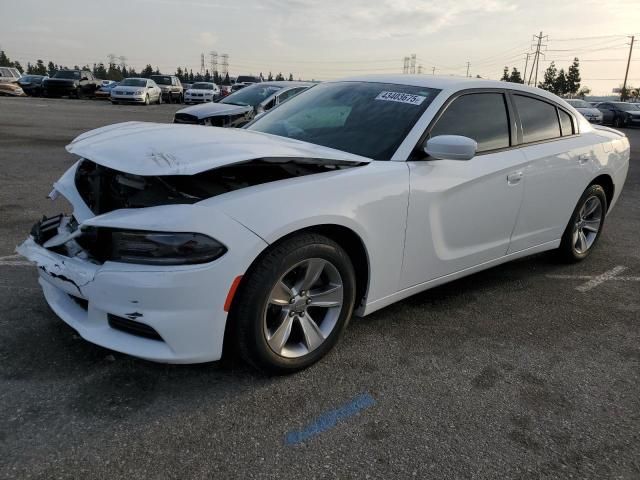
413	64
225	64
202	64
213	58
405	66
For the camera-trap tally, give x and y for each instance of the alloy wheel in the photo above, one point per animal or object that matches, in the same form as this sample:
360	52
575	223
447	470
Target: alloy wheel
303	308
587	225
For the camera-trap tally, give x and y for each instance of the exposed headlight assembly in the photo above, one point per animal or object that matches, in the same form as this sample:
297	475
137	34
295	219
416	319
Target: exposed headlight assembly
150	248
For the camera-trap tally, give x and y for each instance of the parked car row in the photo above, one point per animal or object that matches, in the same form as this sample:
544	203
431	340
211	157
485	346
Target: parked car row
618	114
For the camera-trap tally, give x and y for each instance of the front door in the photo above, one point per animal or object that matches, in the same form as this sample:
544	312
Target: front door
462	213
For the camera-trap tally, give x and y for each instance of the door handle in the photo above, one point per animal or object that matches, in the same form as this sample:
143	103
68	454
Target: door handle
583	158
514	178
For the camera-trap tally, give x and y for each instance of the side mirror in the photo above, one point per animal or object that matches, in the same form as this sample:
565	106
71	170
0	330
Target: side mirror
451	147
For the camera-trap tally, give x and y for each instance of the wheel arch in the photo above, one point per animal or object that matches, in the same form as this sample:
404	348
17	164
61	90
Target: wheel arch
606	182
344	236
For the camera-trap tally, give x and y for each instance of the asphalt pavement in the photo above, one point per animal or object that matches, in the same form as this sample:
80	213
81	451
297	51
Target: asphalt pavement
527	370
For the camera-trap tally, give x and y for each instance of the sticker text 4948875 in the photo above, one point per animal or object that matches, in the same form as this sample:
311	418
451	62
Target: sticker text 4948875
401	97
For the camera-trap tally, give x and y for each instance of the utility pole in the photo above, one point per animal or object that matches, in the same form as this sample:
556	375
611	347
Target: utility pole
468	65
433	71
526	62
536	59
413	64
623	92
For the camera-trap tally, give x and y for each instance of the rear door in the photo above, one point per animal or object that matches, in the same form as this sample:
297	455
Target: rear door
555	174
607	112
461	213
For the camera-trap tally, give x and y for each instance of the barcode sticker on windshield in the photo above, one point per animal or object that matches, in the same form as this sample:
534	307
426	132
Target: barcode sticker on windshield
401	97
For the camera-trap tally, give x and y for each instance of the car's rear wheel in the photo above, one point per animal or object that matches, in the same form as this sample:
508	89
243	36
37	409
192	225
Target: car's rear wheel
294	304
585	226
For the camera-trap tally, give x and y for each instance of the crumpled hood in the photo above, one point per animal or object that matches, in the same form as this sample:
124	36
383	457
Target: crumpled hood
143	148
206	110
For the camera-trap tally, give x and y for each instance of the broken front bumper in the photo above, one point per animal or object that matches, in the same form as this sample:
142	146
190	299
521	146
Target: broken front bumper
111	304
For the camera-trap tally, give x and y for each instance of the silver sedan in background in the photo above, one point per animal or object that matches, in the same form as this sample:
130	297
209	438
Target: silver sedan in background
136	90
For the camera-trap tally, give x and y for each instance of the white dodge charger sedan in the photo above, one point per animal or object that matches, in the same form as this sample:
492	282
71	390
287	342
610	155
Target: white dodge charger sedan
355	194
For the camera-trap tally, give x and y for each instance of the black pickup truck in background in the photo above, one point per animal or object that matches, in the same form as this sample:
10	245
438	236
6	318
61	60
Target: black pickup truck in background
71	83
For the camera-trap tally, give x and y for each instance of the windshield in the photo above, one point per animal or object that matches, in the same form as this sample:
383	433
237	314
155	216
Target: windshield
68	74
364	118
579	104
251	95
161	80
133	82
202	86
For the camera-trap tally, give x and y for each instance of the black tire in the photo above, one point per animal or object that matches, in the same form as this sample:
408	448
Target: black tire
618	122
79	94
146	100
567	251
246	319
114	103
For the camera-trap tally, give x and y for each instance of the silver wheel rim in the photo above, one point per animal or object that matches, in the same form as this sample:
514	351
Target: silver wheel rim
303	308
587	225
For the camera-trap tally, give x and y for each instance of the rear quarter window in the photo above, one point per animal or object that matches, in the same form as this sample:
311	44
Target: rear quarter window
539	119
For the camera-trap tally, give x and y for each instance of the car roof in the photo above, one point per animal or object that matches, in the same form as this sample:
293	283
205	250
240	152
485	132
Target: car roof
135	78
449	83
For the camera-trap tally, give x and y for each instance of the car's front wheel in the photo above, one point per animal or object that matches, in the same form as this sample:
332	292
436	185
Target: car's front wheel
585	226
293	304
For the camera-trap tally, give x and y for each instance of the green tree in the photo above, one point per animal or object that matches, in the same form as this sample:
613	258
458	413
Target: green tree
147	71
4	60
100	71
279	77
270	77
560	85
550	76
51	69
573	77
291	77
39	68
515	76
227	80
114	73
505	74
584	91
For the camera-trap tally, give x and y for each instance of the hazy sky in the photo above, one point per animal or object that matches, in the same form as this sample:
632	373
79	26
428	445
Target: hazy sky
329	38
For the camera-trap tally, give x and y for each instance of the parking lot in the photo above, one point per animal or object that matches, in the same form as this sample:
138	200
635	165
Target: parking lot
527	370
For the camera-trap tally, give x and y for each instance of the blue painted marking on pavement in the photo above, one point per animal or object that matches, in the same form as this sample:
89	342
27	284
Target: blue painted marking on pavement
329	419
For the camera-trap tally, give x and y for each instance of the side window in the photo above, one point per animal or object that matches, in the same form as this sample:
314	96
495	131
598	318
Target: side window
480	116
604	106
288	94
566	123
539	119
